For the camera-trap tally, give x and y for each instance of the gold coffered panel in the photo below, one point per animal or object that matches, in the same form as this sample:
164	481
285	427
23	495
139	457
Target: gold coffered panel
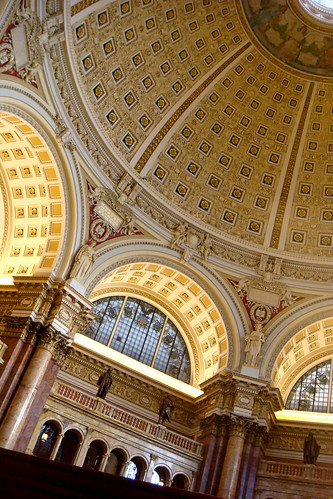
184	95
30	181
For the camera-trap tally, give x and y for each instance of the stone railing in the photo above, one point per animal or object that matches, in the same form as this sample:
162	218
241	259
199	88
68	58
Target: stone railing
107	411
295	471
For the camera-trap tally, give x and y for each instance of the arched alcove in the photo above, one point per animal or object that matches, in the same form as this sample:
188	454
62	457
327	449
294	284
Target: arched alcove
33	199
136	468
94	455
68	447
116	462
46	440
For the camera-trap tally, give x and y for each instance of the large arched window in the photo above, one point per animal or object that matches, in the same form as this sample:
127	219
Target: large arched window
141	331
313	391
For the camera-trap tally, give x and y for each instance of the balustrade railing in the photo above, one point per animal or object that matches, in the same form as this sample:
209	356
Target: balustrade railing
290	470
107	411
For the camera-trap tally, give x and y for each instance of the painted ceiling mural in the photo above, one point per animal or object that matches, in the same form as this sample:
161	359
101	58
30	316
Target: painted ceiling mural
277	27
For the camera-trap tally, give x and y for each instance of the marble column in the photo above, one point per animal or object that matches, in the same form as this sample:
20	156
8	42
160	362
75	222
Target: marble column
219	454
13	423
245	464
233	458
209	428
255	458
20	335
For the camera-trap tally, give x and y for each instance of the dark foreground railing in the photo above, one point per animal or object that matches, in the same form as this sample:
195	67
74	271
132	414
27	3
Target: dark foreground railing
30	477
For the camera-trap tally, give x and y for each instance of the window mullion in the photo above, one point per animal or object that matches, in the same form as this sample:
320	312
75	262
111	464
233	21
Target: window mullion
144	341
159	341
130	327
330	390
117	321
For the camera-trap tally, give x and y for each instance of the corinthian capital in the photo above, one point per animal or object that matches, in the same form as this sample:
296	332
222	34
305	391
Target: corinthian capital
51	340
239	426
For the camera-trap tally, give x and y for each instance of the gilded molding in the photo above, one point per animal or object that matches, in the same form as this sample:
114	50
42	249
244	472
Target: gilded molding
290	171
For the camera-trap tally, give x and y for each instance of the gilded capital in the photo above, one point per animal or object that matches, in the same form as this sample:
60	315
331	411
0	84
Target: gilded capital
54	342
239	426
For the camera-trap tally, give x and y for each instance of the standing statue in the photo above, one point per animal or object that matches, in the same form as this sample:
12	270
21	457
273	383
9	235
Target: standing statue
104	382
254	341
84	260
166	409
310	449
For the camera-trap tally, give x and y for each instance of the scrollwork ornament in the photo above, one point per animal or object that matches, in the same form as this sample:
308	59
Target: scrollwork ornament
51	340
239	426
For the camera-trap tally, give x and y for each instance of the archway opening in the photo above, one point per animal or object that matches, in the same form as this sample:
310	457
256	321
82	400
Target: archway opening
94	456
161	476
46	440
135	469
32	199
115	462
68	447
180	481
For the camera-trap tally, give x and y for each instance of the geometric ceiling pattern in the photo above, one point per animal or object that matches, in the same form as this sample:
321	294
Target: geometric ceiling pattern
185	96
33	210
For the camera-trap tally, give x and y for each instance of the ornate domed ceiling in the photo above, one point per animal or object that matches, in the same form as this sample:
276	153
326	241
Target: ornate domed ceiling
233	138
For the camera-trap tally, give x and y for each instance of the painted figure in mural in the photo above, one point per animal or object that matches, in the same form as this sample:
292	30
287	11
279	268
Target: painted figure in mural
166	409
104	382
84	260
254	341
310	449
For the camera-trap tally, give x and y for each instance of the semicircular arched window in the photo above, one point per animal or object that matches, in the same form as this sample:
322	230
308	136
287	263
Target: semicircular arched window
141	331
313	391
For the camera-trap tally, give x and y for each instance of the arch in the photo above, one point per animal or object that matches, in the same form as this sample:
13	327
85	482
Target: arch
161	475
35	187
136	468
219	292
282	330
116	461
47	439
94	455
180	481
140	330
68	447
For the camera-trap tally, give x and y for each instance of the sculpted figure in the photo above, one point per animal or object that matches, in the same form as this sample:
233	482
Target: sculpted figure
165	410
179	236
310	449
254	341
84	260
104	382
205	247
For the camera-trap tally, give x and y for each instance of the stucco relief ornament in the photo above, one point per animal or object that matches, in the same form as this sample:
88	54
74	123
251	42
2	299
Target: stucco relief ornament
192	242
109	217
38	37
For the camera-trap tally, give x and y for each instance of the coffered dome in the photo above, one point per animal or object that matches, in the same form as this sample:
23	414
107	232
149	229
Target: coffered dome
221	111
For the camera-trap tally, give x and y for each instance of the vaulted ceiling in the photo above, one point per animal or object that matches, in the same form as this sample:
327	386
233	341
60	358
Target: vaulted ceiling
233	137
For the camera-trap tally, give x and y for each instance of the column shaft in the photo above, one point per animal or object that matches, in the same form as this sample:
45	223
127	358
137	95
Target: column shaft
18	409
231	466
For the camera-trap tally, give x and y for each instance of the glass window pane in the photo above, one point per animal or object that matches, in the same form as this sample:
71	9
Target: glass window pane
138	334
107	310
124	325
310	392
